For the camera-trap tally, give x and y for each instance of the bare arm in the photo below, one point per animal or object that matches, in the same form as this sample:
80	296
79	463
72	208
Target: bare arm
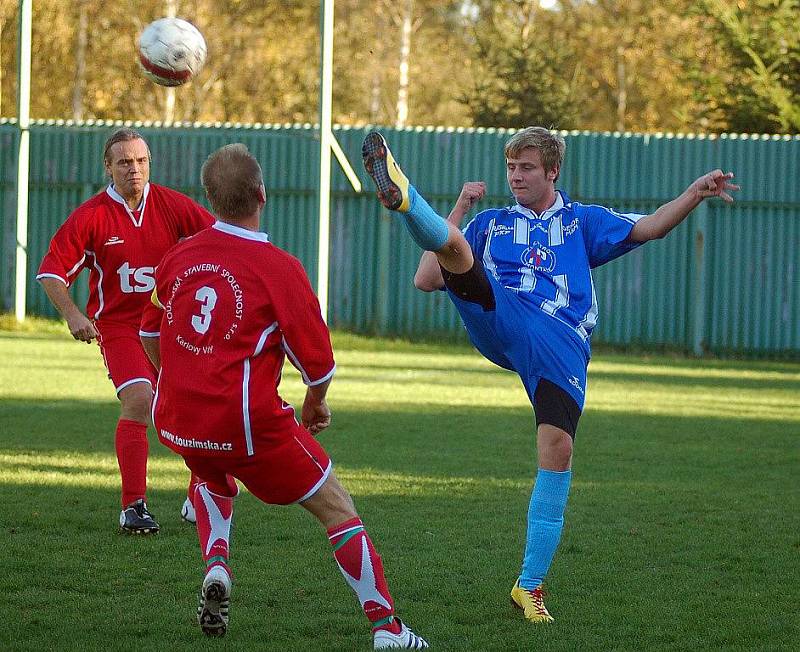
668	216
316	415
151	348
80	326
429	276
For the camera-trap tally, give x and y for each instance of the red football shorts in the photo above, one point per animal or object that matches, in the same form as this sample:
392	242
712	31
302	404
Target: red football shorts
288	472
123	355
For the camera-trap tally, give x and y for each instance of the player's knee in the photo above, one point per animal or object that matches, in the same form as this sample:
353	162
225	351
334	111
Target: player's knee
554	448
332	504
136	400
427	284
563	453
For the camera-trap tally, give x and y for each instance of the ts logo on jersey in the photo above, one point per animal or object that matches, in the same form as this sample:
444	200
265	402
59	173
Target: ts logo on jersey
539	258
136	279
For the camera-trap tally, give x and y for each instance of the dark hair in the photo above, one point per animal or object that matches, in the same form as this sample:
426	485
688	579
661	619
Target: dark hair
121	136
231	177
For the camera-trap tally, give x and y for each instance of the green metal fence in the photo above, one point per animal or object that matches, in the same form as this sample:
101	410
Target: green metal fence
727	280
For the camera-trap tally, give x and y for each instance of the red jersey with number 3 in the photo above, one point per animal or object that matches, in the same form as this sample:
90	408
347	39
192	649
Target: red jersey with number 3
234	306
121	248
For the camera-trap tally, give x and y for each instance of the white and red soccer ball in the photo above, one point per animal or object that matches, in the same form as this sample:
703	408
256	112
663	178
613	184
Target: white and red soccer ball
171	51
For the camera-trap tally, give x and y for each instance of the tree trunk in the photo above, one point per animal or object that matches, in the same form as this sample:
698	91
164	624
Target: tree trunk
405	55
82	42
377	48
622	89
170	10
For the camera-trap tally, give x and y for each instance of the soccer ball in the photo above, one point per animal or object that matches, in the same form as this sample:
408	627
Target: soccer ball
171	51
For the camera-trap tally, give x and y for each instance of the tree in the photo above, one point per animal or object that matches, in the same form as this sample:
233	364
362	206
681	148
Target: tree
674	65
634	53
521	75
369	62
757	88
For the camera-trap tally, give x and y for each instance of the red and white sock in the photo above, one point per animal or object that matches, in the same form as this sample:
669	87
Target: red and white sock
362	568
131	444
214	514
193	482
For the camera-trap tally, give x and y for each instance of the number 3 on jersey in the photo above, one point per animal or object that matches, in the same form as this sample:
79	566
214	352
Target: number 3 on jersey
207	297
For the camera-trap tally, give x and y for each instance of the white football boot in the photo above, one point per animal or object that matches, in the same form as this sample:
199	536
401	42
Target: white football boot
405	640
187	512
215	601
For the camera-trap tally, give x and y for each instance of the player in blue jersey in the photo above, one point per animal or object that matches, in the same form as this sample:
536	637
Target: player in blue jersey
520	277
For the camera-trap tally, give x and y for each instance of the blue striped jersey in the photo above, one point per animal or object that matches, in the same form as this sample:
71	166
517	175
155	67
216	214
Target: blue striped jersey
547	259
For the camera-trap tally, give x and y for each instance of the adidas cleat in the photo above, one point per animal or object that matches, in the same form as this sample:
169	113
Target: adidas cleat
215	601
405	640
136	519
531	601
389	179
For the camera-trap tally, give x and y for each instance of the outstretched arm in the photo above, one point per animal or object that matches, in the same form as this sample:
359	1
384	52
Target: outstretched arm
429	276
713	184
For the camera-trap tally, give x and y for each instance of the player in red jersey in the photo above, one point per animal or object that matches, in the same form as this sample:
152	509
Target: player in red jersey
234	306
120	235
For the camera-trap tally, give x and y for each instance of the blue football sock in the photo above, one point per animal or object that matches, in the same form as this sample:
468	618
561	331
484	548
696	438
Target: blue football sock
425	225
545	520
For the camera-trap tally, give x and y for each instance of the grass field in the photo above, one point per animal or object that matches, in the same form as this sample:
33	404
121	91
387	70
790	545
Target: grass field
683	526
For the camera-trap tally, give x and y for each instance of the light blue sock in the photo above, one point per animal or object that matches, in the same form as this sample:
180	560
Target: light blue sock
425	225
545	520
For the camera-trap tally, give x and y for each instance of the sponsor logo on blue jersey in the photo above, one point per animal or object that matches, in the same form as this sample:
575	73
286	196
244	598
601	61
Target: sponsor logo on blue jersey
571	227
502	229
539	257
576	384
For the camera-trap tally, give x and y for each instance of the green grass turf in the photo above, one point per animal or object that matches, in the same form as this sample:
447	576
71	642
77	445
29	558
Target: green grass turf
681	534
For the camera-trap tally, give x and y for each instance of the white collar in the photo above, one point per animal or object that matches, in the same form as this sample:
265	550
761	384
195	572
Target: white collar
239	232
111	191
557	205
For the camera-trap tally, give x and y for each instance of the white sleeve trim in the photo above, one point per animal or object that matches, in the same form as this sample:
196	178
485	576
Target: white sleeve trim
39	277
149	333
326	377
299	367
133	381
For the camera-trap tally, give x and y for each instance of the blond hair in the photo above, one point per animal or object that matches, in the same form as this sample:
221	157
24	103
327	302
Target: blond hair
549	144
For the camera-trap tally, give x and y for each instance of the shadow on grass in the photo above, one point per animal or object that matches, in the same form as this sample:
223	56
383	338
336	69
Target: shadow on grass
657	502
469	442
653	376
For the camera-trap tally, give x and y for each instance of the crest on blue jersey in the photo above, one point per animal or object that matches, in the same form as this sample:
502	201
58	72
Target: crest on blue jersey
539	257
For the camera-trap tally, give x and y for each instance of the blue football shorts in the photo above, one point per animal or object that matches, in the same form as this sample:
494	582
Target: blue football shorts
515	334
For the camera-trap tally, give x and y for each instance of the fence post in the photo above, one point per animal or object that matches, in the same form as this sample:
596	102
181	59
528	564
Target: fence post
23	156
383	294
698	292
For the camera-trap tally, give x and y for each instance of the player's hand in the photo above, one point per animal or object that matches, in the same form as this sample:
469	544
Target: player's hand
715	184
472	192
82	328
316	415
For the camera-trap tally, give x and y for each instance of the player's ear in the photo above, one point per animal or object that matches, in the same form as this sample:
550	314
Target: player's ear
262	194
553	173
